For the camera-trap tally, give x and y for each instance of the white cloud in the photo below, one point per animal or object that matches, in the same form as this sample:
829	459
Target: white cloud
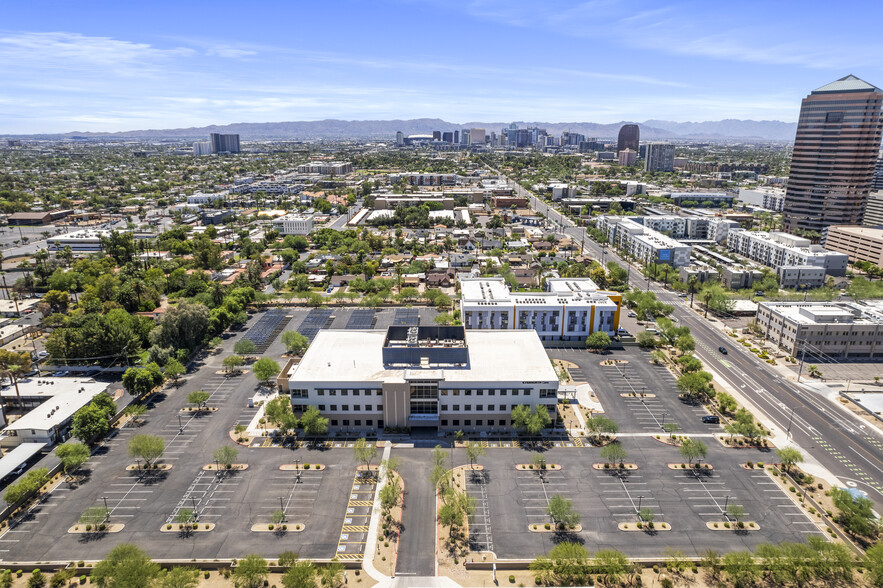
230	52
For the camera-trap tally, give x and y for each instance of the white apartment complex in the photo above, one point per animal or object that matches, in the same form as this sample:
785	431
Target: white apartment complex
643	243
294	224
570	310
427	377
200	198
83	240
776	250
326	168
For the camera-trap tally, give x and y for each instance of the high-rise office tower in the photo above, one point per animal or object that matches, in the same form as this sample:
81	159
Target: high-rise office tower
457	137
629	137
400	139
878	173
477	137
224	143
835	151
660	157
464	137
436	135
448	137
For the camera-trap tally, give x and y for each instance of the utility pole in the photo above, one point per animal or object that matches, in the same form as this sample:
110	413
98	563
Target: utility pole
802	358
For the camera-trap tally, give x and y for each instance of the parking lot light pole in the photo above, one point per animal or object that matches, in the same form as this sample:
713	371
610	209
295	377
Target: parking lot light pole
726	504
180	426
663	420
195	512
282	507
640	498
297	470
106	510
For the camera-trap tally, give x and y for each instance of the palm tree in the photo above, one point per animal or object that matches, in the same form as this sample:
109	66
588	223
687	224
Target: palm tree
707	295
692	282
12	372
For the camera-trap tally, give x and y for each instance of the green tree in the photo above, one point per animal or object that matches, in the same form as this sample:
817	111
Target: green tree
126	566
72	455
689	364
90	422
37	579
530	421
598	341
613	453
174	370
186	518
692	449
94	516
389	494
265	369
135	412
611	565
147	447
789	457
313	423
232	363
295	342
300	574
740	568
178	577
716	299
226	456
198	398
567	564
600	425
331	574
855	513
364	452
874	563
560	510
244	347
646	339
29	484
695	385
250	572
735	512
473	452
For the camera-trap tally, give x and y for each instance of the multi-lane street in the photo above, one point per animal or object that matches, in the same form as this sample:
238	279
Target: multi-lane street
844	444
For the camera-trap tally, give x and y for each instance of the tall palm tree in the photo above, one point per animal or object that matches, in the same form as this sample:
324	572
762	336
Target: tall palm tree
692	282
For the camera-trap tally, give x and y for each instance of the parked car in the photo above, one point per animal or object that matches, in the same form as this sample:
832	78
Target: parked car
711	419
722	349
632	314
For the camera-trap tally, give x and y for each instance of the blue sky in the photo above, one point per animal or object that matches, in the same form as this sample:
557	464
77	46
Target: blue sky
106	66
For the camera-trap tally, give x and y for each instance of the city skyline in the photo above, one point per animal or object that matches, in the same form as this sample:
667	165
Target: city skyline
123	67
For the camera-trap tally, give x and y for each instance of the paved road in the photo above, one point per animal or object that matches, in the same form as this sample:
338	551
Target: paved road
844	444
417	545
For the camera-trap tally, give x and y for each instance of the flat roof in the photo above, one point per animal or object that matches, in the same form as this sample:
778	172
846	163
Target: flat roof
357	356
17	456
64	398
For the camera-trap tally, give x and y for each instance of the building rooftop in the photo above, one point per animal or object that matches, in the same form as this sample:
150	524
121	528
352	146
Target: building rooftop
64	397
869	232
357	356
848	83
818	313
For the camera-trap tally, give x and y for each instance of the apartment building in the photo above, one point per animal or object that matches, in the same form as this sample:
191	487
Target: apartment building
643	243
768	198
843	329
200	198
294	224
570	309
776	249
428	377
325	168
859	243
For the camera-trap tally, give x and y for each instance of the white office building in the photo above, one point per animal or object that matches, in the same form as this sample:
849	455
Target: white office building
200	198
202	148
776	249
294	224
83	240
643	243
570	310
421	377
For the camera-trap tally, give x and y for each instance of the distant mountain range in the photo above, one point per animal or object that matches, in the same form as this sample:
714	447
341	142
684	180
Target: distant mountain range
772	130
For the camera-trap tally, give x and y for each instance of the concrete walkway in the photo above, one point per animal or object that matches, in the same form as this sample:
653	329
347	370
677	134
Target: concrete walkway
371	543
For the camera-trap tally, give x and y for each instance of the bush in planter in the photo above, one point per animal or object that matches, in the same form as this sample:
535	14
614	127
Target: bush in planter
270	526
168	526
740	524
726	525
547	526
749	465
206	527
206	575
306	466
88	527
83	579
511	579
640	525
651	525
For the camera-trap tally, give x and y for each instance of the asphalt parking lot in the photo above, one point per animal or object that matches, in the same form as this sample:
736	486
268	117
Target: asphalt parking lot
334	504
639	376
507	501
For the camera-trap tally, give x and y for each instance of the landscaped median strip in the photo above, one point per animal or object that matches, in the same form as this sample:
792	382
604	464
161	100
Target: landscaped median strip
645	527
82	529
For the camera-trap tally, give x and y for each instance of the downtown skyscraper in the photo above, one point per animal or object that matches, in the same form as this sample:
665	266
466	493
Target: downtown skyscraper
835	150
